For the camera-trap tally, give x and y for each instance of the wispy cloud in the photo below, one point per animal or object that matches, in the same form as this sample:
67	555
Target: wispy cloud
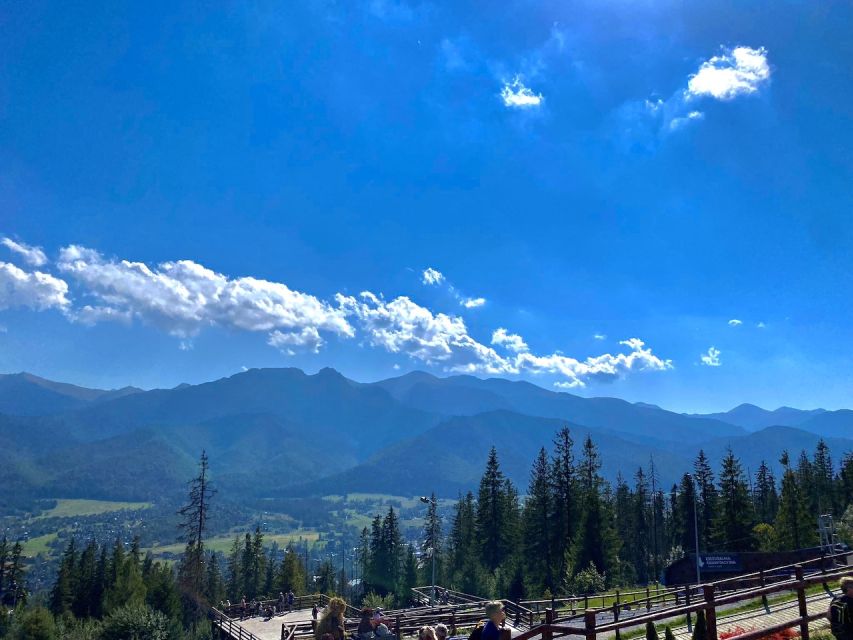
599	336
517	96
711	358
33	256
735	72
734	322
432	276
473	303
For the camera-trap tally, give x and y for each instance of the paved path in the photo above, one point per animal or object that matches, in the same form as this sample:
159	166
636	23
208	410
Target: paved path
271	629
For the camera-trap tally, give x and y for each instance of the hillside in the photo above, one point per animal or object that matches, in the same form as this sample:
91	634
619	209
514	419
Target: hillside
752	418
272	432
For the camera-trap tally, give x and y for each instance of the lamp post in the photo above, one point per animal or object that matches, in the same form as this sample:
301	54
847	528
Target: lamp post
431	501
696	528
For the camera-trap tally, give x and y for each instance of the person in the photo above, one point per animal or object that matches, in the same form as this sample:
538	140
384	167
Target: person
441	631
426	633
841	611
496	618
280	604
291	598
383	632
365	625
332	621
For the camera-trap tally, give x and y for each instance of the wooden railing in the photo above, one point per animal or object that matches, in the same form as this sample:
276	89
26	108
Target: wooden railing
232	628
709	603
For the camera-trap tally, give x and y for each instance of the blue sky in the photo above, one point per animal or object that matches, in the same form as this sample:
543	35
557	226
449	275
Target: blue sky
603	187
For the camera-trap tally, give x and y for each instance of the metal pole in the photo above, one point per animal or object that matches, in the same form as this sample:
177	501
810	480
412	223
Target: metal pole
433	555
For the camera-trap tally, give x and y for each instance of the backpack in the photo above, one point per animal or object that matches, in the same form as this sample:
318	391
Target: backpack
477	633
841	616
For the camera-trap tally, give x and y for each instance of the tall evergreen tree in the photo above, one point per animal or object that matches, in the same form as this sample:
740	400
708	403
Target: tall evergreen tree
565	500
432	543
794	528
823	479
193	525
595	542
766	497
707	494
491	507
538	521
734	521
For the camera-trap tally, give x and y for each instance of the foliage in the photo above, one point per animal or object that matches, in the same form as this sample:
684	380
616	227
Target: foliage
375	601
135	622
651	631
700	627
587	581
34	624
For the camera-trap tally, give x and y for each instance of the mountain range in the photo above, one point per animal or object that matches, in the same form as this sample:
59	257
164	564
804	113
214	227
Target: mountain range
282	432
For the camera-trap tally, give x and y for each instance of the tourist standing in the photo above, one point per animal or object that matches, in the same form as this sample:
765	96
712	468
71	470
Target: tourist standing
841	611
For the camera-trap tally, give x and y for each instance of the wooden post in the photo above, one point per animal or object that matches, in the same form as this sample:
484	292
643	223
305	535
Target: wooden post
589	622
801	600
585	601
547	634
687	604
283	636
648	599
710	611
397	625
763	580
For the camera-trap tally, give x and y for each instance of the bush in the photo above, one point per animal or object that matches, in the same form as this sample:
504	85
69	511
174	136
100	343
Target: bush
135	622
375	601
34	624
651	631
588	580
668	634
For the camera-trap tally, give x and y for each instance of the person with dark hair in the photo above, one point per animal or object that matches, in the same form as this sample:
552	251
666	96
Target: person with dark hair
365	625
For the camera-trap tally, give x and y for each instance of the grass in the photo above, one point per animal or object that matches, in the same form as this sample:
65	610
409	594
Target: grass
71	508
223	543
39	544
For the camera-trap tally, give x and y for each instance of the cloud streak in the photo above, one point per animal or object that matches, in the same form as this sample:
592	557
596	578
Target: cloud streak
33	256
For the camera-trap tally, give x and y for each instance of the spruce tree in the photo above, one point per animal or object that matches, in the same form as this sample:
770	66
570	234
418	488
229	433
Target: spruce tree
193	526
766	496
823	479
432	541
490	511
537	524
565	502
794	527
732	528
707	494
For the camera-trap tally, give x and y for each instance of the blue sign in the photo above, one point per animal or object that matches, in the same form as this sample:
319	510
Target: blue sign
714	562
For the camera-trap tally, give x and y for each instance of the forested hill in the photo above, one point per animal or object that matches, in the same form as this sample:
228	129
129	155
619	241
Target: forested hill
280	431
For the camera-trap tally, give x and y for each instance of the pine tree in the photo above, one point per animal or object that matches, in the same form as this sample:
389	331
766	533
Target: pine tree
806	481
707	494
640	530
623	510
685	519
193	526
490	507
432	540
62	595
595	542
732	528
538	514
4	558
794	527
87	588
565	501
291	575
464	547
766	497
235	582
823	479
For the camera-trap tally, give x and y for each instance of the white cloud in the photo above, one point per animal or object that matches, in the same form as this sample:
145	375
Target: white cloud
516	96
735	72
34	290
511	341
432	276
761	325
734	322
307	338
33	256
599	336
681	121
472	303
183	297
712	358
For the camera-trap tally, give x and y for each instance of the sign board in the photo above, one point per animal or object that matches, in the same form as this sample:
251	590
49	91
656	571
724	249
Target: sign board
714	562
